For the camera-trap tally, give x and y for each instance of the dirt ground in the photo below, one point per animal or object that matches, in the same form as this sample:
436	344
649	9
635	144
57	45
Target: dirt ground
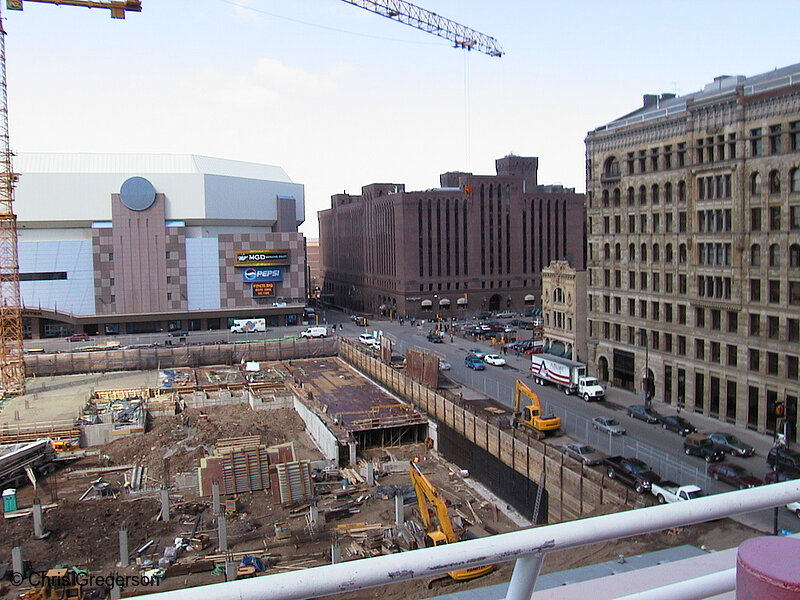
84	533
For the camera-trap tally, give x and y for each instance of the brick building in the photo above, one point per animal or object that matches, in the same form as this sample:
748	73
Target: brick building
694	248
475	243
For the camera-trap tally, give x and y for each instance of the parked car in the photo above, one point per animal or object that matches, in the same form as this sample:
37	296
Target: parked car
780	476
608	425
444	365
631	471
731	444
494	360
435	337
734	475
178	333
475	363
782	458
643	413
78	336
795	508
586	454
483	315
366	338
476	352
505	315
678	425
697	444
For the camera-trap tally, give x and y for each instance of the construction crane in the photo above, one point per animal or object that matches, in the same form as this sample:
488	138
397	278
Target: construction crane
425	20
441	531
12	364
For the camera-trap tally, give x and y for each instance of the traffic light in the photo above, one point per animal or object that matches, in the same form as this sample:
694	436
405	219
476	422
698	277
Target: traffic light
780	408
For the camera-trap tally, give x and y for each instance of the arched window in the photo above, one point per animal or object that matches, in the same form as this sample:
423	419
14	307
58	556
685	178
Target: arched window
656	253
774	182
616	196
558	295
654	195
631	196
631	252
668	193
681	191
605	198
643	253
642	195
682	254
794	180
794	256
611	167
668	253
607	251
755	183
617	252
774	255
755	255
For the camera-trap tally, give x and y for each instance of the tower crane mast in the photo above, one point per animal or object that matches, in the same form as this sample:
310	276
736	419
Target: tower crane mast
12	364
425	20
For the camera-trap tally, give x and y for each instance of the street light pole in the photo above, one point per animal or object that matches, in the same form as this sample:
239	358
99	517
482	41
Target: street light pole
646	377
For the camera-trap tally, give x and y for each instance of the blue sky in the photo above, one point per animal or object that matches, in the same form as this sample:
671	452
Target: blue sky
340	97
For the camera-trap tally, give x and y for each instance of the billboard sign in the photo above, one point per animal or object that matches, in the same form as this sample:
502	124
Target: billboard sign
263	289
261	258
254	274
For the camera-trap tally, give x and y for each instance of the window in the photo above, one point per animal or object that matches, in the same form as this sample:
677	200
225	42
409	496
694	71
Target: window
732	352
668	223
794	136
631	280
753	359
631	223
755	184
755	219
794	180
791	367
654	195
774	291
668	192
774	218
642	195
682	345
643	253
643	309
733	322
668	253
773	329
682	222
656	223
617	252
774	182
794	293
774	255
682	314
755	255
631	307
699	349
794	256
682	154
755	290
631	196
772	363
668	313
755	325
715	352
606	225
775	139
755	142
793	330
654	311
681	284
113	298
110	256
700	317
668	342
111	281
656	282
656	251
716	319
169	295
682	254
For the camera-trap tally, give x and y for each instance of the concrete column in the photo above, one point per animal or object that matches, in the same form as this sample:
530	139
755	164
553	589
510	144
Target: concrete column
215	496
16	559
223	533
123	547
165	505
370	473
336	552
230	570
399	515
351	446
115	593
38	521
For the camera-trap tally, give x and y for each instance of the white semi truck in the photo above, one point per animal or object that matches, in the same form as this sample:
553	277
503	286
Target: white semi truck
567	375
249	326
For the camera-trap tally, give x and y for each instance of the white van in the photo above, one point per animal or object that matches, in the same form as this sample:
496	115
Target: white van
314	332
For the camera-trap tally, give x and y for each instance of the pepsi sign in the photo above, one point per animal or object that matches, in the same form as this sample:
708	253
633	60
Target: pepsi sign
253	275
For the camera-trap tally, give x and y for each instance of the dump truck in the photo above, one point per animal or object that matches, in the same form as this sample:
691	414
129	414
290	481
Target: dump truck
530	416
18	462
568	376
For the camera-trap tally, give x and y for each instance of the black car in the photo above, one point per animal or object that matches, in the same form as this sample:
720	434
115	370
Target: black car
697	444
643	413
435	338
731	444
678	425
781	458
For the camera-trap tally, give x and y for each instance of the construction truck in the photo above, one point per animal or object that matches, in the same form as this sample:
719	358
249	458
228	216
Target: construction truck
531	415
249	326
24	462
568	376
441	531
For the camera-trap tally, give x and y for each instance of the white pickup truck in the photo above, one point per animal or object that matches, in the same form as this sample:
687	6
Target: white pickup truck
667	492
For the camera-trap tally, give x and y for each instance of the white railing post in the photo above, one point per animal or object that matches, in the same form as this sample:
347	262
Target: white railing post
524	576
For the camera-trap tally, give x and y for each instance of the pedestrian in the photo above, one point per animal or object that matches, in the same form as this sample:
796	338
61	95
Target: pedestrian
505	350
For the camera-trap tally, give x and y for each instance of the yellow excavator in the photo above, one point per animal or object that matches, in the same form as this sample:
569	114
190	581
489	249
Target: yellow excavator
442	532
531	415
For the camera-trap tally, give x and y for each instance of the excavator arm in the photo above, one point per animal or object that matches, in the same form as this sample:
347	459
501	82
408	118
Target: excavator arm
427	494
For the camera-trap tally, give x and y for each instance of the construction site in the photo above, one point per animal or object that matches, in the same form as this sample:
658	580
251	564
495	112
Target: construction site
217	473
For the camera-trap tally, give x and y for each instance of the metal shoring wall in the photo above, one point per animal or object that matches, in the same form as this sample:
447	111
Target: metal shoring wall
521	546
12	366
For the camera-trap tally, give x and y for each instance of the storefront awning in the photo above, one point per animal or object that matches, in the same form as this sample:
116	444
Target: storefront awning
462	301
444	302
426	303
530	298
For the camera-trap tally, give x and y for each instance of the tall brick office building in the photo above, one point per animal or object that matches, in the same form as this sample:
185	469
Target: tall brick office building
475	243
694	248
